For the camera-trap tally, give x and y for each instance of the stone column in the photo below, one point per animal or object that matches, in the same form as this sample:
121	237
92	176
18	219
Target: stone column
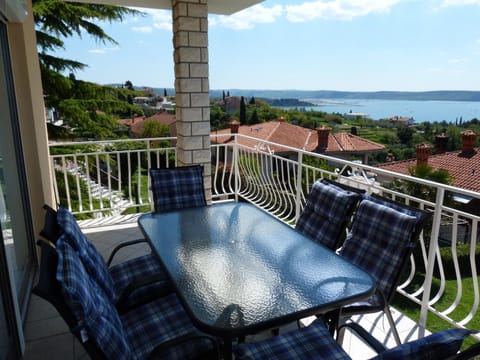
190	43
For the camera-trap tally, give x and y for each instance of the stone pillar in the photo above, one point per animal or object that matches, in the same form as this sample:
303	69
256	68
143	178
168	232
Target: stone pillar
190	43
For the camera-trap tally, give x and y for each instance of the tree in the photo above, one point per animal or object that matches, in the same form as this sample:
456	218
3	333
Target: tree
59	19
405	134
129	85
243	111
152	129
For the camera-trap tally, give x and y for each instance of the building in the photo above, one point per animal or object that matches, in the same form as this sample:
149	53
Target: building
322	140
403	120
463	165
136	123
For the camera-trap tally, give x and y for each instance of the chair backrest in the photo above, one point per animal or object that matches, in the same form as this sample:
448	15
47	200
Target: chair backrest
177	188
327	212
50	231
422	216
48	288
380	242
97	317
91	258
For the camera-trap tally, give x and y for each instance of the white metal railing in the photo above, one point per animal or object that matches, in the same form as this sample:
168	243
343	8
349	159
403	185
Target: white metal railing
111	177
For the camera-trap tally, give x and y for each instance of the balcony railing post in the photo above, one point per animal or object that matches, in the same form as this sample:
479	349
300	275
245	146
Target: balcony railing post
437	217
149	164
236	167
298	196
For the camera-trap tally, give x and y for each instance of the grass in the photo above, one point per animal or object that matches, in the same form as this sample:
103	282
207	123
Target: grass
434	322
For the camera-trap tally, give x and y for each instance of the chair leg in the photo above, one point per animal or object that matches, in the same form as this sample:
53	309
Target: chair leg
340	332
392	325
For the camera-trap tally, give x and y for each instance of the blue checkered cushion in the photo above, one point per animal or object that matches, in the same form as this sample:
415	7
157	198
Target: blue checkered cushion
378	242
139	268
91	258
177	188
311	342
158	321
440	345
96	315
326	213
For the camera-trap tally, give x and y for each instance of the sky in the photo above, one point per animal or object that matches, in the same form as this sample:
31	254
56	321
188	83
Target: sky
347	45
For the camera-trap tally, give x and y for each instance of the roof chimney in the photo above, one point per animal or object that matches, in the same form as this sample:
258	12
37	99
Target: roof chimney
423	152
234	125
441	141
469	139
322	133
281	119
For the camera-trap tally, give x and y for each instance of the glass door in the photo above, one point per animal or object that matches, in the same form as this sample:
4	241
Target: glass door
16	234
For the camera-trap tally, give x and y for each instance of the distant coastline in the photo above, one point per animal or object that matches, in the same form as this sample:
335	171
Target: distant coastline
306	95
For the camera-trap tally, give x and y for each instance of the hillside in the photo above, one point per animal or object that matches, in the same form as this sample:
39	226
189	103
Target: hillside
440	95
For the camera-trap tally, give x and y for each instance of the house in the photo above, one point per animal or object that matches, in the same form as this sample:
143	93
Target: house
463	165
322	140
136	123
403	120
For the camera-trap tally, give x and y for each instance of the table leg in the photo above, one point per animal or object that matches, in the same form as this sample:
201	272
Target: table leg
227	348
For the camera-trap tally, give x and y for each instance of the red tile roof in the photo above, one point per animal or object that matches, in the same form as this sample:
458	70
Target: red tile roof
298	137
136	126
463	167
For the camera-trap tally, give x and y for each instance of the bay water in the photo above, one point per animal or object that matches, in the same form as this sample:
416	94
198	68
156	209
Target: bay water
420	111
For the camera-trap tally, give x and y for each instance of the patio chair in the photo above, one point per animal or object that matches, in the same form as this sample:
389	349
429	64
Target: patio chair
315	342
382	238
327	212
129	283
177	188
158	329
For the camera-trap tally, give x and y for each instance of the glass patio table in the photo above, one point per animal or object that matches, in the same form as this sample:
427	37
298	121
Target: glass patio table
238	270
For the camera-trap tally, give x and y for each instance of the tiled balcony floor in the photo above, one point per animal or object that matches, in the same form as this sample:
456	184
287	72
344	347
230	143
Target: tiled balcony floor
47	336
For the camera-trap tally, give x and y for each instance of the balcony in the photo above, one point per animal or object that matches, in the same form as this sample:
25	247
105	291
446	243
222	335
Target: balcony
106	184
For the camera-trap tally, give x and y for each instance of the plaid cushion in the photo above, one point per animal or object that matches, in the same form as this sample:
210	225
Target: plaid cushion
378	242
135	269
311	342
177	188
153	323
93	310
91	258
326	213
436	346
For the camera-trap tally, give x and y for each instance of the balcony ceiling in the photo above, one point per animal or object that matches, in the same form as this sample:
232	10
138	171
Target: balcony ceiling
223	7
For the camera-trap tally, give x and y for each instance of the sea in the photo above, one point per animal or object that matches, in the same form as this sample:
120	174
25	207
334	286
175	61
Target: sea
420	111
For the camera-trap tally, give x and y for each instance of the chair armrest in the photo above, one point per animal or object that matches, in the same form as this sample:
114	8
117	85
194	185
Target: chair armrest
122	303
122	245
376	345
157	353
468	353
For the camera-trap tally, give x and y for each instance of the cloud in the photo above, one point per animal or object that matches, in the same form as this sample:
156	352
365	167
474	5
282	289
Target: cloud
103	51
142	29
160	19
458	61
248	18
446	3
337	9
